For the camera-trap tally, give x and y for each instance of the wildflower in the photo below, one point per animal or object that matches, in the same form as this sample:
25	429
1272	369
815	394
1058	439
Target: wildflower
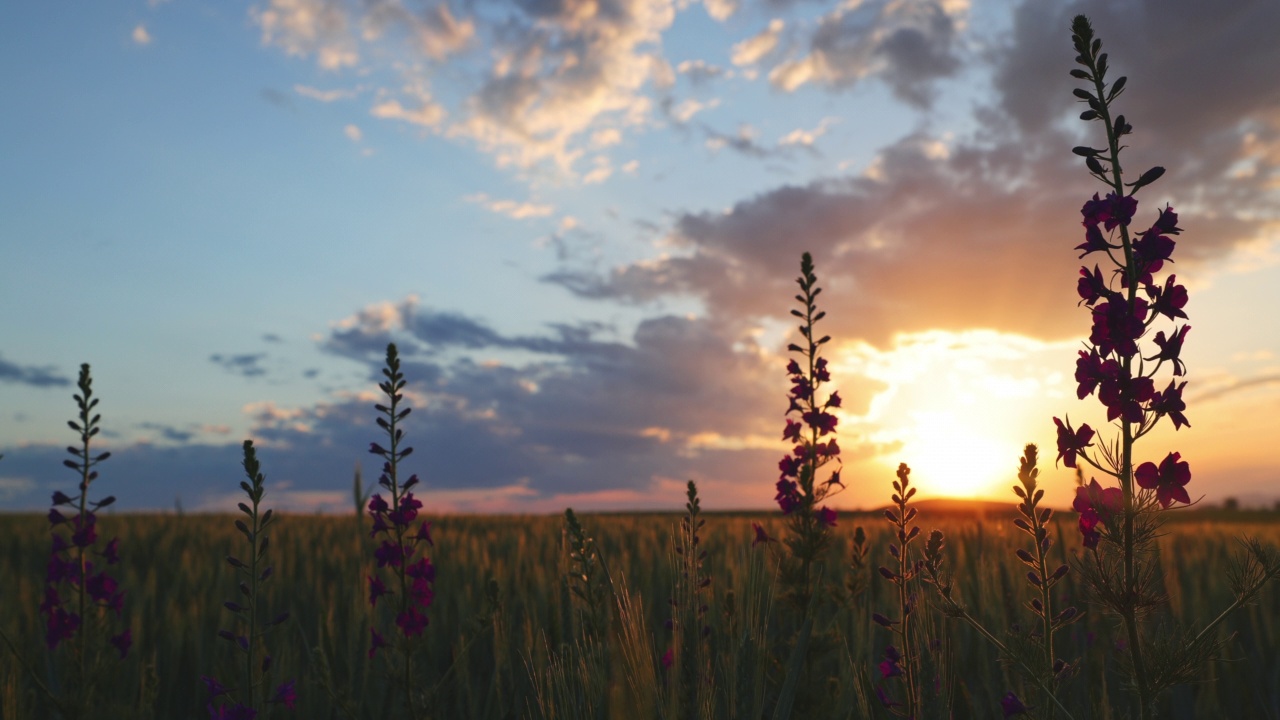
377	642
122	642
1072	442
1171	348
376	589
668	659
761	535
827	516
1010	705
1111	211
788	497
1091	286
1169	402
1123	394
1117	325
1090	371
1168	480
285	695
889	666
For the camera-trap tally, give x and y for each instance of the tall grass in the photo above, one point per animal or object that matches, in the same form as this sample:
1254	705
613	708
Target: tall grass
176	598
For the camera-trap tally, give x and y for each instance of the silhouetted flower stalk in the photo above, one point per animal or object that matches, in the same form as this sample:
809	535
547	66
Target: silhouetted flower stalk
902	663
1119	525
690	654
800	495
859	570
412	580
586	579
250	636
77	618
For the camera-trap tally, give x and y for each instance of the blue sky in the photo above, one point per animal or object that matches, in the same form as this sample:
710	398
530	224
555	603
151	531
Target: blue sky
581	221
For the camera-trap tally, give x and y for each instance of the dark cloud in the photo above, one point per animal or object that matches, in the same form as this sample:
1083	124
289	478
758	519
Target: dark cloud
978	231
46	376
909	45
169	432
272	338
247	365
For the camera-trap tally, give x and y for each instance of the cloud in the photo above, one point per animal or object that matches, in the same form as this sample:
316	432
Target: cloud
907	43
511	208
353	133
246	365
46	376
720	9
744	142
310	27
699	72
324	96
428	113
169	432
756	47
141	36
686	109
806	138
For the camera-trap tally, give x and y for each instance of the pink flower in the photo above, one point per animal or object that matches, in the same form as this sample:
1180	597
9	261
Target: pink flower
1170	403
1171	348
1096	504
378	642
1071	442
286	695
827	516
1168	480
761	535
376	589
668	659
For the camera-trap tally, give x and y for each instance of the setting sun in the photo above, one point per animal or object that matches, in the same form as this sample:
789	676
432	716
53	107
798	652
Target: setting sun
950	457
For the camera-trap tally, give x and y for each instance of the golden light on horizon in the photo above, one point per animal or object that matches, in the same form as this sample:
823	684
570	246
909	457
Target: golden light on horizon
950	457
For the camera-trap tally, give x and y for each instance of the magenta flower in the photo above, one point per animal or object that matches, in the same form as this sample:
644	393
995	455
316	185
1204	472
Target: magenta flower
889	666
111	553
411	622
285	695
1122	395
1091	370
1117	326
823	422
1171	348
215	688
1168	480
761	535
668	659
1096	504
788	497
827	516
376	589
377	642
1093	241
1072	442
1010	705
101	587
1091	286
61	625
792	430
1169	402
1111	211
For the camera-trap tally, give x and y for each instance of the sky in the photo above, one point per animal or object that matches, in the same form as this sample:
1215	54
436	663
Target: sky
581	223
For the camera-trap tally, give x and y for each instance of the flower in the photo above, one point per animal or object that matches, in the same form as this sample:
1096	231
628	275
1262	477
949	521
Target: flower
411	622
1091	370
792	430
827	516
215	688
761	535
1096	504
1169	402
1011	705
1123	394
1117	325
1171	348
788	497
889	667
101	586
1169	300
377	642
1110	211
1091	286
376	589
285	694
668	659
112	551
1072	442
1168	480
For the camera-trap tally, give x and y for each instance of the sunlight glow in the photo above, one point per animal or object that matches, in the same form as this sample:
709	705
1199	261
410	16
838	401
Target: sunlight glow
950	457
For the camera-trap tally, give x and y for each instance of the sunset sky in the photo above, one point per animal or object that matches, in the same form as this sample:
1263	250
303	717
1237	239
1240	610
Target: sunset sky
581	222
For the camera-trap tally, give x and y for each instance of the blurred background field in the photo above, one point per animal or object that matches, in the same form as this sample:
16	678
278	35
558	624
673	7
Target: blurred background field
480	663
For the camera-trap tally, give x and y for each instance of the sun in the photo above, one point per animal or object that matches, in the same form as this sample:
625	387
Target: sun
952	457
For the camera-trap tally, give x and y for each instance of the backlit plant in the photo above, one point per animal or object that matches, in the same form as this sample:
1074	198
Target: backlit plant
412	576
901	661
248	638
1119	525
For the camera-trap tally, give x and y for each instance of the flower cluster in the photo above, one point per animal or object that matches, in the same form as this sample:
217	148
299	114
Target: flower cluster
70	566
250	634
814	433
1124	302
411	576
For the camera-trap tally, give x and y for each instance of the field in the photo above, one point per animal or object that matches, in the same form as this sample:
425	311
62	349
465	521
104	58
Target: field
483	664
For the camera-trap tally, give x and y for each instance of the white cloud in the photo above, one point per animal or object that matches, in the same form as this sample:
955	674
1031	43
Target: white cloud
324	96
685	111
807	138
511	208
751	50
309	27
720	9
631	167
429	114
141	36
601	171
353	132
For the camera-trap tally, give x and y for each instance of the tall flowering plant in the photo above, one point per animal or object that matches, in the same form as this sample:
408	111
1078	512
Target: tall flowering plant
80	596
412	576
800	495
248	639
1118	523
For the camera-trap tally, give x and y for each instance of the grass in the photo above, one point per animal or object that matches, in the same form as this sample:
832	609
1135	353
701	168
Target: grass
482	667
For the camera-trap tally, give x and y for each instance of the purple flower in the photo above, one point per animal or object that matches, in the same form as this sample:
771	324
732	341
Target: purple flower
60	499
1091	370
1168	480
792	431
889	666
1171	348
376	589
761	535
668	659
237	712
1071	442
1169	402
788	497
422	569
823	422
285	694
1168	300
215	688
1093	241
1122	394
101	586
1011	705
60	626
112	551
1096	504
377	505
1110	211
424	533
789	465
389	553
827	516
411	622
86	532
1091	286
56	518
1117	326
378	642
